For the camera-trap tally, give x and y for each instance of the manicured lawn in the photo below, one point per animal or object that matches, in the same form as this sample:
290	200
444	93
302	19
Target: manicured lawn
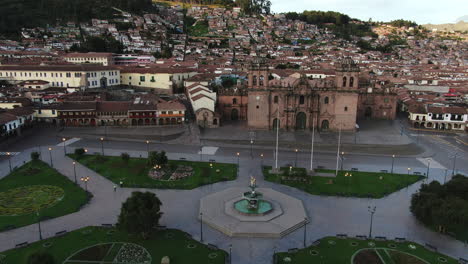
135	172
332	250
360	184
98	243
36	186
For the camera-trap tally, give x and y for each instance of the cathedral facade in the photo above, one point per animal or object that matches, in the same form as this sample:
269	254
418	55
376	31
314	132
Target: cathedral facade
293	104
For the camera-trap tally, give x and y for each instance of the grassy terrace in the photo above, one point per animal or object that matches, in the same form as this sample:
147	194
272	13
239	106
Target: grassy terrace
360	184
332	250
37	187
95	244
135	172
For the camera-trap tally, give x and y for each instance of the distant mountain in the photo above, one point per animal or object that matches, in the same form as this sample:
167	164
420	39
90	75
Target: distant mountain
460	26
463	18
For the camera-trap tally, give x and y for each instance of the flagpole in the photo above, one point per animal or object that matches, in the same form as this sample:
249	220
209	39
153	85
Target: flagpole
277	135
312	148
338	152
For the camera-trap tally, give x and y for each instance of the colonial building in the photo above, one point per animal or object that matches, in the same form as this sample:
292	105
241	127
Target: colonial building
102	58
438	117
300	102
203	102
70	76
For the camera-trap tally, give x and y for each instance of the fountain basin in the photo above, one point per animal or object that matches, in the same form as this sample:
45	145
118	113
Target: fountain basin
263	208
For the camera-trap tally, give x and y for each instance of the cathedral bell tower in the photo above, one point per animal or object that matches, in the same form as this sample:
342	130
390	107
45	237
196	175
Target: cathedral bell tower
258	74
347	75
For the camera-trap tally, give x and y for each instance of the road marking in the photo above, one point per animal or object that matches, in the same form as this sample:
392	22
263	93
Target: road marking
208	150
68	142
11	153
432	163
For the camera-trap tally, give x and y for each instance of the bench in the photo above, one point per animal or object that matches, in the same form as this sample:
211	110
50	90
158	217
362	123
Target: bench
212	247
384	171
20	245
292	250
361	237
381	238
430	247
182	158
212	160
400	239
107	225
354	169
341	235
61	233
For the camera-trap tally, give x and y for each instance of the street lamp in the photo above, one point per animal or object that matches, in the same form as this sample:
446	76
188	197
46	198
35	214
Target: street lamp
409	169
230	253
393	162
445	176
305	231
102	146
64	146
86	150
50	154
9	160
454	162
342	160
201	227
147	147
39	224
237	163
74	170
261	160
295	161
251	147
290	169
349	181
85	180
372	212
428	165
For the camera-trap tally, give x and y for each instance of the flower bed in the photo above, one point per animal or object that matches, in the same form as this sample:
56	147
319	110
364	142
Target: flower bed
133	253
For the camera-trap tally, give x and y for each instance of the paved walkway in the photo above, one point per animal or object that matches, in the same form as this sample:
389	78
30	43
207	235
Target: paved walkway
328	215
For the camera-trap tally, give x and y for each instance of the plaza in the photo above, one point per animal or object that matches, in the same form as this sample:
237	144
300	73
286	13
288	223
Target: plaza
327	215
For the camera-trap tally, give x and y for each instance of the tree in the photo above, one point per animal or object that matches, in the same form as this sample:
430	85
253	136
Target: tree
35	155
79	152
125	157
140	214
41	258
157	158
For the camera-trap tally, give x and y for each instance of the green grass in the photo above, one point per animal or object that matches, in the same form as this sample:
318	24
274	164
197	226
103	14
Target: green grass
200	29
39	173
159	245
361	184
342	252
135	172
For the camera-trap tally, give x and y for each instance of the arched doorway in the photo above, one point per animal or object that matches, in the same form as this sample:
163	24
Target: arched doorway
416	124
173	121
368	113
325	125
301	121
276	124
235	114
134	122
104	82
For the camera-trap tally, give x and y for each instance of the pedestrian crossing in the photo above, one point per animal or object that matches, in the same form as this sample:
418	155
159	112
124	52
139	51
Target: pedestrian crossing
432	163
208	150
68	142
11	153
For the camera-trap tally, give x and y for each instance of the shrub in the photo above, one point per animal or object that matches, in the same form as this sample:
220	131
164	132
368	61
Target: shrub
41	258
80	152
35	155
100	157
125	157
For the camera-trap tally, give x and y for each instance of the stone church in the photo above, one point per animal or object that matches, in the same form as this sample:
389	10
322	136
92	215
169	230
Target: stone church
302	103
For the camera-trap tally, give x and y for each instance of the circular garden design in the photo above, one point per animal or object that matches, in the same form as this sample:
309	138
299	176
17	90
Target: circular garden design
28	199
108	253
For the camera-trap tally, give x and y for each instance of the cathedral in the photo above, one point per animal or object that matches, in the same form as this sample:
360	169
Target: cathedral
303	103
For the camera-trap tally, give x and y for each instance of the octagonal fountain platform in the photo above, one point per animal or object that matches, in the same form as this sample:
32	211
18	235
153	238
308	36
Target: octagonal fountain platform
232	212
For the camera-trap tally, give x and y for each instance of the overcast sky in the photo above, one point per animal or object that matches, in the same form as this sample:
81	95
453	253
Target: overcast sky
421	11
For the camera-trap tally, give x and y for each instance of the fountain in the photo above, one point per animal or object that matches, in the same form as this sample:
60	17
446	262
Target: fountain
252	203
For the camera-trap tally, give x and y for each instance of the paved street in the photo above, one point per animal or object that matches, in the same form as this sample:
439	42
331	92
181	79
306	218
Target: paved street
329	215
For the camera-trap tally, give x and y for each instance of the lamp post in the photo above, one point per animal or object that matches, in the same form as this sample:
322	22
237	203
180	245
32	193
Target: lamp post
74	171
342	160
201	152
102	146
349	180
147	147
9	160
201	227
295	160
39	224
372	212
445	176
454	163
251	147
85	180
409	169
338	152
50	154
261	160
230	253
428	165
305	231
64	146
237	163
393	162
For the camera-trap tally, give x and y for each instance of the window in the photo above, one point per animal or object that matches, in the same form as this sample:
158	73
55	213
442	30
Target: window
254	81
142	78
39	111
234	101
344	81
261	80
301	99
326	100
68	74
346	109
53	112
275	99
351	82
129	77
